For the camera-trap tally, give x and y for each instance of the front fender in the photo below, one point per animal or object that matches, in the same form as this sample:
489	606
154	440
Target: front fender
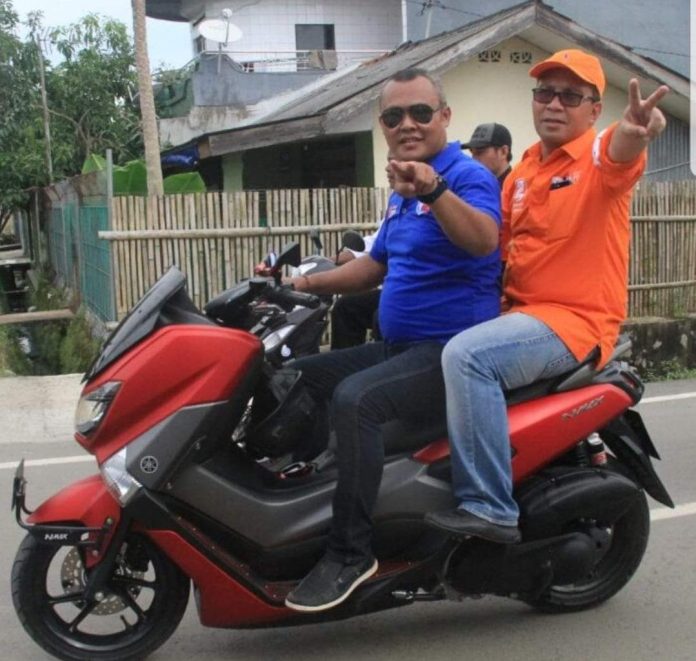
87	501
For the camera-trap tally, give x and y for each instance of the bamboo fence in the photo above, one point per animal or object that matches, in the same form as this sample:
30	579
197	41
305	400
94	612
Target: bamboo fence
662	269
217	238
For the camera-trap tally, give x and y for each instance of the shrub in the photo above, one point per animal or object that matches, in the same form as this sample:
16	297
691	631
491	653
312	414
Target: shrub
78	348
13	360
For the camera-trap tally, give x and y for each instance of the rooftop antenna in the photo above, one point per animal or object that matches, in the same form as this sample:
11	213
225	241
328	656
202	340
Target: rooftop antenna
222	31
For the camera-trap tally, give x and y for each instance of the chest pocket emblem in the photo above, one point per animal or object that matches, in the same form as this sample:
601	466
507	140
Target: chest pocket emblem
422	209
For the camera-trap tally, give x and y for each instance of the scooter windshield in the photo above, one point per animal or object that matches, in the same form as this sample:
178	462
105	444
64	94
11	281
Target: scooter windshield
165	303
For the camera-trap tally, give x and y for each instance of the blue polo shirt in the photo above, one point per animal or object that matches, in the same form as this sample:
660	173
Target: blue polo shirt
433	289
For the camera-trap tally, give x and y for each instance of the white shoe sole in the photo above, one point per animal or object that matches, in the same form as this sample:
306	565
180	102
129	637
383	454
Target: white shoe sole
313	609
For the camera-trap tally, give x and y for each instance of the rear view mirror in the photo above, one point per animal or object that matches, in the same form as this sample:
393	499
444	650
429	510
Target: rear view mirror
289	255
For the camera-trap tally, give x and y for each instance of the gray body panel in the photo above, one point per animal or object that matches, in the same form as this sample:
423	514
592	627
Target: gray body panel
154	456
275	518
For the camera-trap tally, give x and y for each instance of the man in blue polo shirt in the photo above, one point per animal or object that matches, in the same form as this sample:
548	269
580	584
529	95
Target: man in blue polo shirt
437	257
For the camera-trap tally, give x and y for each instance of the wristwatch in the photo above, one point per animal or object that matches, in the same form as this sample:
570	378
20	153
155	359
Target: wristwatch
440	187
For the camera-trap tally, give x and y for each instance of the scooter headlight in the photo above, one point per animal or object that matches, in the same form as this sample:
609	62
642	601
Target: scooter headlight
92	408
122	485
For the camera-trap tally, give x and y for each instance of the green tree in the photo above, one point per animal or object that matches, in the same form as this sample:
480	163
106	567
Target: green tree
21	146
90	96
91	93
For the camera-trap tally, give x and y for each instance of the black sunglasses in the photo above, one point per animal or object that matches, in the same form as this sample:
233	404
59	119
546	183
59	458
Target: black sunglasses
567	98
421	113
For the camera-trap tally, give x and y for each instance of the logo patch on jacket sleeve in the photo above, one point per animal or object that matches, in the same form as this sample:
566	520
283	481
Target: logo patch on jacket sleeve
422	209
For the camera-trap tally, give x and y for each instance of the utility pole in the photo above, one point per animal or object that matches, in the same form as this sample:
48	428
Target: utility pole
44	103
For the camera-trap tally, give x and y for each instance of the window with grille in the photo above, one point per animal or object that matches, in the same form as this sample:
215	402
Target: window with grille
521	57
492	55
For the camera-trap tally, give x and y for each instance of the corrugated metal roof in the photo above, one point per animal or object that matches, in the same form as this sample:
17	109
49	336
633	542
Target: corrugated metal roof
328	102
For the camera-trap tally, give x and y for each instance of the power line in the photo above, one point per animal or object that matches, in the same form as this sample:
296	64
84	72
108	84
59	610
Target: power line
436	4
426	5
663	52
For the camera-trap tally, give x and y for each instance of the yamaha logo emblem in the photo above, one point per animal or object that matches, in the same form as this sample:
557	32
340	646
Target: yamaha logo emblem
149	464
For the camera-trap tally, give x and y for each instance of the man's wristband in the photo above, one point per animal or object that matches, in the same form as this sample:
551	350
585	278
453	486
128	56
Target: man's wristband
440	187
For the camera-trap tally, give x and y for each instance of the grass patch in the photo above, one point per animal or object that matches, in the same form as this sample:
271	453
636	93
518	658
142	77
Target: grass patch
669	370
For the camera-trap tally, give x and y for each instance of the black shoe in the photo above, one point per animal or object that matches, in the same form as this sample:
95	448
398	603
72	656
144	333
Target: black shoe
464	524
329	584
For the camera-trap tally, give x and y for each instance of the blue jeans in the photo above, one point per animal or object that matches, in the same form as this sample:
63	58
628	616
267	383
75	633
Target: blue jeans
479	363
362	388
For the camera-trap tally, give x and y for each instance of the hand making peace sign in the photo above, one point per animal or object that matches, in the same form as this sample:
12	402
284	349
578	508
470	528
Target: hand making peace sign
642	121
642	118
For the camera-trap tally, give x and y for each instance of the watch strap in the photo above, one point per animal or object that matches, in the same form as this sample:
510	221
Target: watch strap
440	187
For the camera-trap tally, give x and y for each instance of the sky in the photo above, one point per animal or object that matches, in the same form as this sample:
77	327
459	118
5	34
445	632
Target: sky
169	43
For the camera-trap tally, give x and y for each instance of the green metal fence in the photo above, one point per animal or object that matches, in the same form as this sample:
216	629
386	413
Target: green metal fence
96	280
60	242
80	259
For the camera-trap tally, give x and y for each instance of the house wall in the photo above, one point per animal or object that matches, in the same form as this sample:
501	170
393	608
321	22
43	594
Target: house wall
232	171
269	25
480	92
668	157
364	171
328	162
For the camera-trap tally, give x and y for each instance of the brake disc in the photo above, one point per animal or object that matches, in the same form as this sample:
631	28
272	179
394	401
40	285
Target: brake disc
73	579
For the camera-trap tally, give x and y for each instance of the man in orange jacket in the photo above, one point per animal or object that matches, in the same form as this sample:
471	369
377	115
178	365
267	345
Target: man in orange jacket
565	240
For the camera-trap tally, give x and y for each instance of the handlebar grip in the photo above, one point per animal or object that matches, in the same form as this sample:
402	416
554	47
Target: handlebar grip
286	295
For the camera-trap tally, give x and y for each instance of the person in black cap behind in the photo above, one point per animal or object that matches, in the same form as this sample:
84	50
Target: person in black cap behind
491	145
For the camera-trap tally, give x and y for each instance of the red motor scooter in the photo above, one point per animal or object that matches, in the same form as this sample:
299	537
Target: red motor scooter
182	412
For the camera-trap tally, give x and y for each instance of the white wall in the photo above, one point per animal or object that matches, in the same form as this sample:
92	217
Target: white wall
480	92
269	25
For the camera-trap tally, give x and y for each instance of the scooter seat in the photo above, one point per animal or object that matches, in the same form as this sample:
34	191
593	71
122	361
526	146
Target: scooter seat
579	376
406	436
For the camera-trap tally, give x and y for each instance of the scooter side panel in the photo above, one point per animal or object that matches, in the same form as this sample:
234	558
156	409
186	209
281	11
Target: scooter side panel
273	519
545	428
222	601
177	366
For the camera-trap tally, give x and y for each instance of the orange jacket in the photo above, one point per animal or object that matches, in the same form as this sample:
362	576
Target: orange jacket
565	240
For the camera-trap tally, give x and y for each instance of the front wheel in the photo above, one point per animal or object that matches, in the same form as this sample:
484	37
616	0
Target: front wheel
145	601
627	539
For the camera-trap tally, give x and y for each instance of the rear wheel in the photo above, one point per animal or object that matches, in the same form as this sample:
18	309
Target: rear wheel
145	601
626	540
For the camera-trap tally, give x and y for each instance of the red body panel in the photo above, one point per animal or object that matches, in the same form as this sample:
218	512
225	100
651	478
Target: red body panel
175	367
542	429
222	601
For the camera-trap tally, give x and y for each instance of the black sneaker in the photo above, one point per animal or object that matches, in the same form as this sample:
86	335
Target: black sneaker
461	523
329	584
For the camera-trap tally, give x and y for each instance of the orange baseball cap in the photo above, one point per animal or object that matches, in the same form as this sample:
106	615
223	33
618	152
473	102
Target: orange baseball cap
584	66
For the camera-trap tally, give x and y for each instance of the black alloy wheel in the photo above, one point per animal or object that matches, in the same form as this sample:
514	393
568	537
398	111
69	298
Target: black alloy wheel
145	601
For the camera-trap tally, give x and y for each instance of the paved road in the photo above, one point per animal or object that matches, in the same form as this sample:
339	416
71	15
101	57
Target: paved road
653	617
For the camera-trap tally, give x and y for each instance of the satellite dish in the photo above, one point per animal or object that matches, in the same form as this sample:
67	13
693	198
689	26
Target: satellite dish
222	32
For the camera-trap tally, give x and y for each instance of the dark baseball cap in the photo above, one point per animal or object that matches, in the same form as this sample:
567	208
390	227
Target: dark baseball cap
487	135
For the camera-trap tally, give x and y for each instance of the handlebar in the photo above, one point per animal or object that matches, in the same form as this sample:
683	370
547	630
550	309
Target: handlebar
288	296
